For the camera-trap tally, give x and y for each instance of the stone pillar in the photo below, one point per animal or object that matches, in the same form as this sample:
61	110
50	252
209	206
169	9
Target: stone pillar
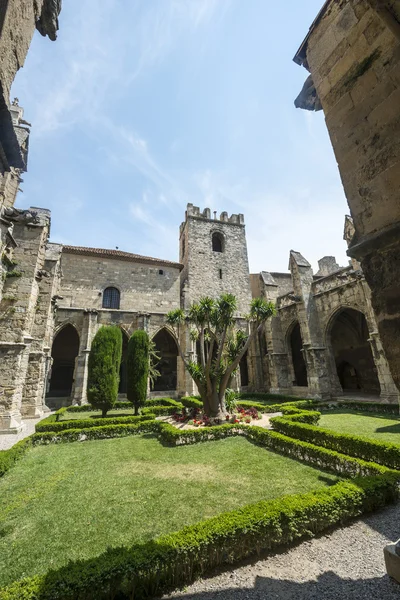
90	326
352	52
17	314
314	349
389	391
277	358
33	401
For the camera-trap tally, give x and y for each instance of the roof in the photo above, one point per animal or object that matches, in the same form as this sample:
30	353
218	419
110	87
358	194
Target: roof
120	255
301	54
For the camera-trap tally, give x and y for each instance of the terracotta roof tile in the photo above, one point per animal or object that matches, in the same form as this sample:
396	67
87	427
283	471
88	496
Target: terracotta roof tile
120	255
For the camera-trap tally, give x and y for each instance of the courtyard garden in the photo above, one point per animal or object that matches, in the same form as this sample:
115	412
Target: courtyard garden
121	500
72	501
381	427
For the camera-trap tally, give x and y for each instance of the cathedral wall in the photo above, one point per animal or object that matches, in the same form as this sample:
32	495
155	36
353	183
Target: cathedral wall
142	287
209	272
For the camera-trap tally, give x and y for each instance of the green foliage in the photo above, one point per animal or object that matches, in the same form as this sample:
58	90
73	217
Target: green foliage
191	402
88	423
163	410
383	453
137	365
361	406
163	402
103	369
230	400
175	560
154	359
212	324
9	457
264	396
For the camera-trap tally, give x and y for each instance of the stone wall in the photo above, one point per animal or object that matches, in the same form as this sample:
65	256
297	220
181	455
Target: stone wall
210	273
143	287
353	54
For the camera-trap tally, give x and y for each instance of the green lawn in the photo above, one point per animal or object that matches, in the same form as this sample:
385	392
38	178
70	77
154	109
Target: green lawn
96	414
385	428
73	500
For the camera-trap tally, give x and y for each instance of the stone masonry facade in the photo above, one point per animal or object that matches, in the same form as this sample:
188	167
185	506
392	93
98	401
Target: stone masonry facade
334	333
352	52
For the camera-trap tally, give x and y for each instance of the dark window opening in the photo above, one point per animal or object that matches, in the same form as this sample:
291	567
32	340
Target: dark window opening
299	365
217	242
183	248
354	360
167	350
160	272
220	273
64	351
111	298
244	371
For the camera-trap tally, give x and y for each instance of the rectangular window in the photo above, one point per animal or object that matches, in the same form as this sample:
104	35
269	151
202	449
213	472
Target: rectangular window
220	273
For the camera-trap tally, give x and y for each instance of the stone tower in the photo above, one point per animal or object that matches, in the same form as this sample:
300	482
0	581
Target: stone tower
214	254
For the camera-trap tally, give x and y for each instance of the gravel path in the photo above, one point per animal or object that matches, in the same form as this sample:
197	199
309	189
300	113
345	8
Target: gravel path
9	439
348	564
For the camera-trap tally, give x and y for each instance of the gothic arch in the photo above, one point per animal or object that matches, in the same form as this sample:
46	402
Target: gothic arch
347	340
297	363
64	351
167	348
217	241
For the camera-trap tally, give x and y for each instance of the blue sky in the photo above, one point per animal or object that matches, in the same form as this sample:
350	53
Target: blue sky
141	106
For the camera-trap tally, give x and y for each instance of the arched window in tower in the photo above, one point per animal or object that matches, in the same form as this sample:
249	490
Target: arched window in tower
111	298
217	242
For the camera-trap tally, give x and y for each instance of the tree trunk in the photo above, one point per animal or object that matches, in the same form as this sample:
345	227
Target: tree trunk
212	406
104	412
136	407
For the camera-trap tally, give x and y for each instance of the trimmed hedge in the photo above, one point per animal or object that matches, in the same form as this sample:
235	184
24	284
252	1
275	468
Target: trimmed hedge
191	402
260	396
383	453
94	433
162	402
88	423
269	408
160	411
8	458
361	406
174	560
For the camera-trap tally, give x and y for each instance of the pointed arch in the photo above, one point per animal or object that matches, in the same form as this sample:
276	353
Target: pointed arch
166	347
347	337
294	345
64	351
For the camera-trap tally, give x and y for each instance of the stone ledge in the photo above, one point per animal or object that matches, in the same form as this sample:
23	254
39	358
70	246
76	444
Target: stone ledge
392	561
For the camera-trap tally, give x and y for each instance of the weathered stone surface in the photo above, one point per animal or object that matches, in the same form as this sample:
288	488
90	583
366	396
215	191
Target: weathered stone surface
353	54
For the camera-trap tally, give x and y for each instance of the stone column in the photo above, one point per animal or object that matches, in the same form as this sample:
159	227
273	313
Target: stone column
90	326
277	358
389	391
33	401
17	314
314	349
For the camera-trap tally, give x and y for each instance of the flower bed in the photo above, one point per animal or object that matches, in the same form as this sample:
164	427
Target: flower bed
195	417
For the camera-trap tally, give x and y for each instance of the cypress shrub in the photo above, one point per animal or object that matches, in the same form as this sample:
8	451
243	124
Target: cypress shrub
137	369
103	372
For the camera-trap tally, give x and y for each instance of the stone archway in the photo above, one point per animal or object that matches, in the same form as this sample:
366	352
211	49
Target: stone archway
167	350
295	344
64	351
355	366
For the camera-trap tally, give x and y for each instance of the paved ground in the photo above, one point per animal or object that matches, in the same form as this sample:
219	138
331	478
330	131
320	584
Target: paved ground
8	440
347	564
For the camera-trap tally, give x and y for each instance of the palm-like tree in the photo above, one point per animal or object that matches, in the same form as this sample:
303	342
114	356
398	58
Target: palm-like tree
222	344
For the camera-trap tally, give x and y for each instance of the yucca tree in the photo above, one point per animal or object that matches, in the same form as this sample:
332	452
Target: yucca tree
222	344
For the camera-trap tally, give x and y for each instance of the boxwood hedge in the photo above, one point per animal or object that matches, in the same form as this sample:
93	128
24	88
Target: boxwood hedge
174	560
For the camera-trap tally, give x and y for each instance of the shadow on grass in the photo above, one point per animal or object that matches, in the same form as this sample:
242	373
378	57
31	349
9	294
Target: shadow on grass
389	429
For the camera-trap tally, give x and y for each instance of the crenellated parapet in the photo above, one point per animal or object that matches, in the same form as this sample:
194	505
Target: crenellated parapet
194	211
